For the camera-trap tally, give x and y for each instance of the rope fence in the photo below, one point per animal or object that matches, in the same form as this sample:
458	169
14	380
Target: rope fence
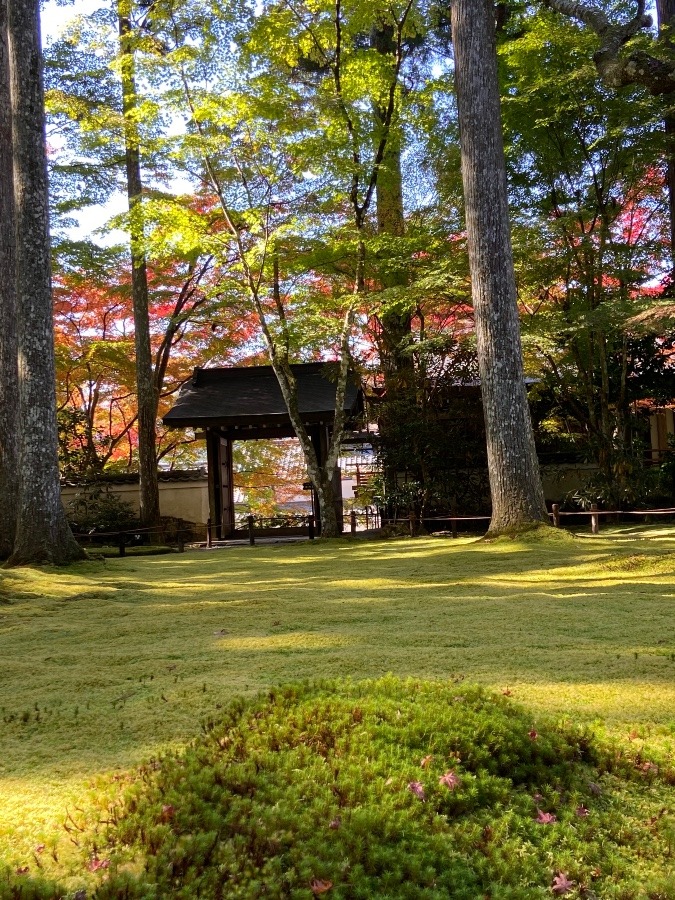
256	526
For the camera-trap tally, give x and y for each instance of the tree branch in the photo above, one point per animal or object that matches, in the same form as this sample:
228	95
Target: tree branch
615	69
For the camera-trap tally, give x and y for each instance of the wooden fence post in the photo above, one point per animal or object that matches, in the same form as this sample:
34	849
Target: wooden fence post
412	524
121	544
208	533
251	536
352	521
310	527
595	519
453	513
555	509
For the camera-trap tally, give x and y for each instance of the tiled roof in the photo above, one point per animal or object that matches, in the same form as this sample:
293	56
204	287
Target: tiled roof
251	395
132	477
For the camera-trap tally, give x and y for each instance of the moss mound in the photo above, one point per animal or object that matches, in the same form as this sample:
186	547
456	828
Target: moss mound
534	534
386	789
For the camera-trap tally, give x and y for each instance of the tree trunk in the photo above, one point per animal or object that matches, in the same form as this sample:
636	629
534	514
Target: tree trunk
146	392
43	534
9	393
397	366
665	10
515	481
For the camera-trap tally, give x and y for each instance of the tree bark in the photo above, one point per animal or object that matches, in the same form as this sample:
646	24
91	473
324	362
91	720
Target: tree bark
397	366
616	69
147	396
515	481
665	10
43	534
9	386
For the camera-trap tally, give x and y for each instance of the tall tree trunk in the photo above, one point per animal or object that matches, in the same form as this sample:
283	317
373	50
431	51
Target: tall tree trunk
515	481
9	386
43	534
666	18
397	366
146	392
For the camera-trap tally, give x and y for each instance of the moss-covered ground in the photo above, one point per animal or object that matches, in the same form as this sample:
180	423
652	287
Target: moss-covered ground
110	662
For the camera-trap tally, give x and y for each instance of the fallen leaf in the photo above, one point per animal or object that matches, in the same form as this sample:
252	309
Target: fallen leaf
537	798
425	762
388	782
96	864
450	780
544	818
335	823
168	812
22	870
40	848
582	811
633	735
507	692
320	887
562	884
532	735
417	788
650	768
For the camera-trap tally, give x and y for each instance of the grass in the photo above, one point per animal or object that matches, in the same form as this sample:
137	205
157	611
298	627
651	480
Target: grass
111	662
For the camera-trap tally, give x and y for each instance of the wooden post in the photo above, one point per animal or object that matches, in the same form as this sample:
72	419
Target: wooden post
181	544
352	521
412	524
453	527
208	533
555	510
310	527
251	536
595	519
453	513
121	544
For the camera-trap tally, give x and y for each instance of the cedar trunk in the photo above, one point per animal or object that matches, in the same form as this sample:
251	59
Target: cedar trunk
146	392
666	18
515	481
9	387
43	534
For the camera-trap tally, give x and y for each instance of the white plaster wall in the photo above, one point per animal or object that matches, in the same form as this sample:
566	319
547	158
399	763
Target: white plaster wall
187	500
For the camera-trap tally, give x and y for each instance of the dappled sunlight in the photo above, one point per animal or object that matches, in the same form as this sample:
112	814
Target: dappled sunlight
297	640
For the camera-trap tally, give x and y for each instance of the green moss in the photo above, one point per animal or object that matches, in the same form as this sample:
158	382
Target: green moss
384	789
110	662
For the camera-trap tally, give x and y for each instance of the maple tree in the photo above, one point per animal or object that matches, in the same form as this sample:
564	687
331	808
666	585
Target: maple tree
591	231
94	350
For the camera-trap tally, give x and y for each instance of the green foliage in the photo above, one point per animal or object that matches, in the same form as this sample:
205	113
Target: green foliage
432	437
97	509
388	788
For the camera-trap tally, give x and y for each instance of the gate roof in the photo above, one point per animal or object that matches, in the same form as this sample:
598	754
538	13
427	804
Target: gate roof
250	397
